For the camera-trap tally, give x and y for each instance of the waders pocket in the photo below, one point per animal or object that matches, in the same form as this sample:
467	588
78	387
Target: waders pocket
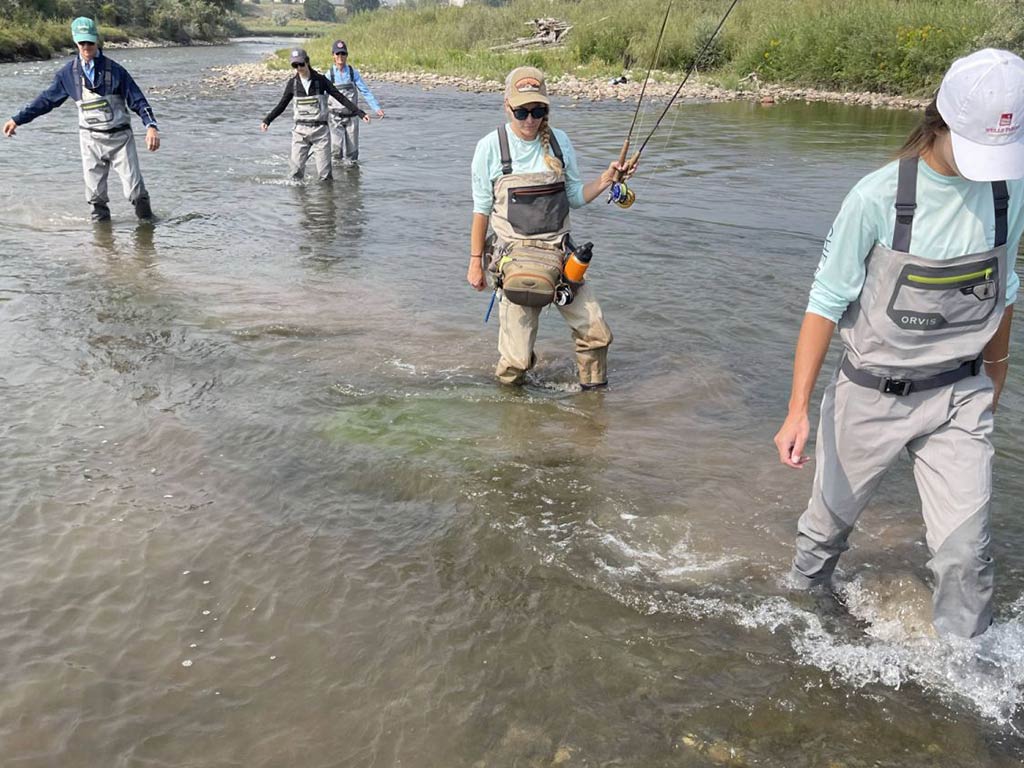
537	210
934	298
529	275
97	112
307	108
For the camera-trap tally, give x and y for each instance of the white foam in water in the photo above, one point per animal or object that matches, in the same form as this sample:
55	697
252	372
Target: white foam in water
987	672
899	647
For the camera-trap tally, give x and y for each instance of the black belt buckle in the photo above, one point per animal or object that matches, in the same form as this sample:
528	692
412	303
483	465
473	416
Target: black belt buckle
898	387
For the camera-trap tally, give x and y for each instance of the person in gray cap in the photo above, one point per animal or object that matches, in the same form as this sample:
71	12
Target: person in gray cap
344	126
308	90
104	93
918	274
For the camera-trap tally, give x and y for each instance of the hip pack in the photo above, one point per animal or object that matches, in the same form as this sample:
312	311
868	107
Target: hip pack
529	274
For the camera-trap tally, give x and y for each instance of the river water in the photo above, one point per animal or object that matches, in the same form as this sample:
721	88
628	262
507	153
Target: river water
261	503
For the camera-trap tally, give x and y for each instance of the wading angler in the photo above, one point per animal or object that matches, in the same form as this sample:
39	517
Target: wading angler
104	93
918	274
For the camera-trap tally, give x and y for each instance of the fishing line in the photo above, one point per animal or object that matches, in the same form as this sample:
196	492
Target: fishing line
690	71
654	61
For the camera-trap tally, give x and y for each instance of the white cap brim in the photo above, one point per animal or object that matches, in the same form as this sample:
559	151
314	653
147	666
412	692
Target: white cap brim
985	162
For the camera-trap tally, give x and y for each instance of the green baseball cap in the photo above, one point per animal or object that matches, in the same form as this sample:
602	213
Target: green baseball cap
83	30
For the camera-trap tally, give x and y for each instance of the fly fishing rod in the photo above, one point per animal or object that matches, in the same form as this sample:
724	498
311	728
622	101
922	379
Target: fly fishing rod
620	194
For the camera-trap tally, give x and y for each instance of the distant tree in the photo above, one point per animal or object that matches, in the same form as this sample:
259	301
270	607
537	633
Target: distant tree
319	10
358	6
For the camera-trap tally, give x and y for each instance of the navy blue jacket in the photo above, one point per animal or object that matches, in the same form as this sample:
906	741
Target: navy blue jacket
67	85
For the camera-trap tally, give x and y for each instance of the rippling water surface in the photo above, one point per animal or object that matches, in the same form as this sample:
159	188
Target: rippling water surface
261	503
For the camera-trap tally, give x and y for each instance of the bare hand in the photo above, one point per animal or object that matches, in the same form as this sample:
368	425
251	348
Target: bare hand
365	118
617	172
10	128
475	275
152	139
264	127
380	113
791	439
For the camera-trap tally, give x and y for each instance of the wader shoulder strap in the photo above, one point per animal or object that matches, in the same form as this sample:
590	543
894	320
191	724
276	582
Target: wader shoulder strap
906	202
76	78
1001	201
351	74
506	154
555	148
107	76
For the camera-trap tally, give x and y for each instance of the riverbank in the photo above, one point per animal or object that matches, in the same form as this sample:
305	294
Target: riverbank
577	88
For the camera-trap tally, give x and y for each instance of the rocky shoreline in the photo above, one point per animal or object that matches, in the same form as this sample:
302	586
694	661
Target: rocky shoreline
586	89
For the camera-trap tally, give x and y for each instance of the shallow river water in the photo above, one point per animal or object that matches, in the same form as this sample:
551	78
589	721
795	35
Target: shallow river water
262	504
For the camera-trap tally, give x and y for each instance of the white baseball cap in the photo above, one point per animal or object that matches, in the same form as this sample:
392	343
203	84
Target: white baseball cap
982	101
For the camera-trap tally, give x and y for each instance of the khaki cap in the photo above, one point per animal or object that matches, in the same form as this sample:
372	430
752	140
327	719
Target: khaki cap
525	85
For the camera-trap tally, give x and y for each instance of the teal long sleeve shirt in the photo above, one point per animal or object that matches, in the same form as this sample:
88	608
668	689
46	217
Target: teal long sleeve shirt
527	157
954	217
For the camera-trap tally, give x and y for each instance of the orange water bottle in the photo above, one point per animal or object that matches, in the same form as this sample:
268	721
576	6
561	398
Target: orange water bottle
577	262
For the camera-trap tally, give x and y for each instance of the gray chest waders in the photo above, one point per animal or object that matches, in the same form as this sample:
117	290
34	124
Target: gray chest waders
919	323
98	113
908	381
530	220
345	123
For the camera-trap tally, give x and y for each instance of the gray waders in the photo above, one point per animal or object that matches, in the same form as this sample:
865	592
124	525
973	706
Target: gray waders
532	209
345	124
310	134
106	141
911	378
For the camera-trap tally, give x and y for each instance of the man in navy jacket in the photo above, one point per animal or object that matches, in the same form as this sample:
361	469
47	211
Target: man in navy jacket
104	93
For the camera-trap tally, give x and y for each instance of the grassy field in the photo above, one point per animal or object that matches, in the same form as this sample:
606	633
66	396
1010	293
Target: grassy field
887	46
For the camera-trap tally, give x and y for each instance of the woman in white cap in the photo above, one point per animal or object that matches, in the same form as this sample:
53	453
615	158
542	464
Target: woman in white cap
525	180
918	273
307	91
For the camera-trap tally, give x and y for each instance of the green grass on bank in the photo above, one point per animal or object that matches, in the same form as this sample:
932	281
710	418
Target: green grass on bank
887	46
41	39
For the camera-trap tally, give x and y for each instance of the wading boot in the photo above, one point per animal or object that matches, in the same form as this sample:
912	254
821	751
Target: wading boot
143	209
100	212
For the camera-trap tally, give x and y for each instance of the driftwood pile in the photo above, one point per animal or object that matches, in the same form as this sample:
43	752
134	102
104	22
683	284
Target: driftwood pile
546	33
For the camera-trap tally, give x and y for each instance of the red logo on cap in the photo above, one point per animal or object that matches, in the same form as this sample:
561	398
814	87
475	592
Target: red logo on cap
1005	119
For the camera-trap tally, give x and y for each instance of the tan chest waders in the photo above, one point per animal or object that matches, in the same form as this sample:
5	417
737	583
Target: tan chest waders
530	219
908	381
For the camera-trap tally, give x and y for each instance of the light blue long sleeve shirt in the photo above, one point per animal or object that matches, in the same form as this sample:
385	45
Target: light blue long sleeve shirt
342	77
89	69
954	217
527	157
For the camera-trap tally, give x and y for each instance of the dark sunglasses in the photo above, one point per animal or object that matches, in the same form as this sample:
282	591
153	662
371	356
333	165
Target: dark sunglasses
296	65
537	113
87	42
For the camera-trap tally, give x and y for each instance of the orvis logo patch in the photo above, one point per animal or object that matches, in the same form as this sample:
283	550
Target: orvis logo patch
528	85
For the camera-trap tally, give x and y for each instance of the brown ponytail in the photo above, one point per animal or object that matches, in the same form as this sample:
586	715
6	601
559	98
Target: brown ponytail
545	139
923	136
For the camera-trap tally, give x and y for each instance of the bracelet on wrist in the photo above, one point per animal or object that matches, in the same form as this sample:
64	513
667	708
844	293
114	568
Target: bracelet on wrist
994	362
476	255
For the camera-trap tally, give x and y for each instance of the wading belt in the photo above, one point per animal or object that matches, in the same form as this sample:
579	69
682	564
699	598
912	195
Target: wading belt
311	122
906	202
901	387
506	154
